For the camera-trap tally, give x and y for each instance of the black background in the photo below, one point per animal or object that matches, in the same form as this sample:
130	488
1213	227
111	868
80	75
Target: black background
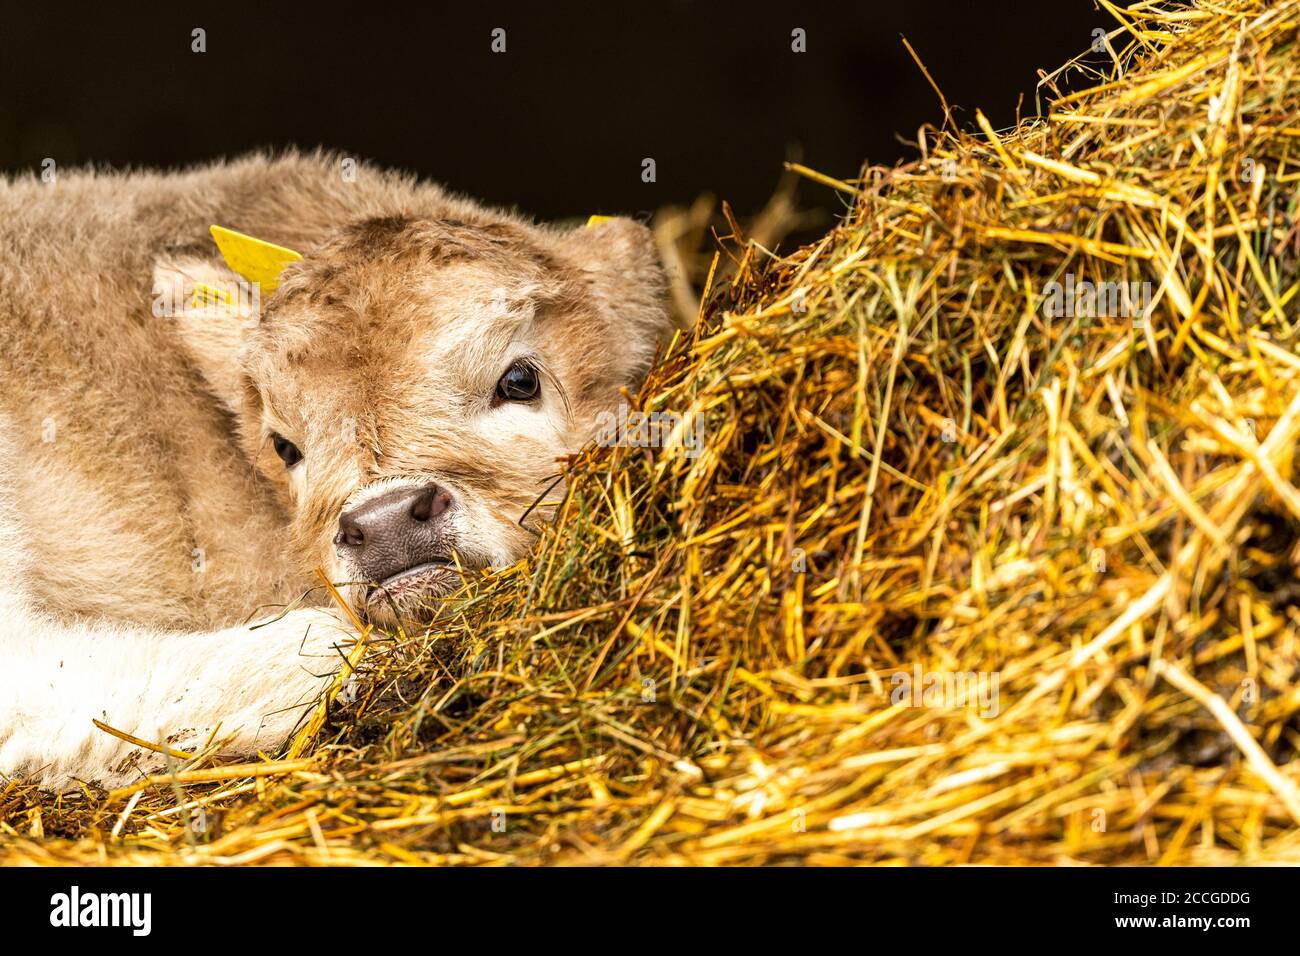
559	124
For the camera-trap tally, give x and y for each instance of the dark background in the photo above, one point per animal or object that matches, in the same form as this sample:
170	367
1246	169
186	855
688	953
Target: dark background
557	125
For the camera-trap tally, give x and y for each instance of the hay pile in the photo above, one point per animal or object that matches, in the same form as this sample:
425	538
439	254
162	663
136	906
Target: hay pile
919	459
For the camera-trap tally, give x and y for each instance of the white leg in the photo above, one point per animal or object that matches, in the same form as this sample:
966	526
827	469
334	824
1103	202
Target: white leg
164	688
55	677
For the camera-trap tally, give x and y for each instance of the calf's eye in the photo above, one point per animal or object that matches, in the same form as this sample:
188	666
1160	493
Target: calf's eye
287	450
518	384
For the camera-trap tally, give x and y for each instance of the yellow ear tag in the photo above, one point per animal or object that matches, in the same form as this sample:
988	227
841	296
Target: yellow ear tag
597	220
257	261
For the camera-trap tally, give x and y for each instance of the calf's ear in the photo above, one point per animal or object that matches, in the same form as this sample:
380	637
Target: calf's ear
212	311
624	277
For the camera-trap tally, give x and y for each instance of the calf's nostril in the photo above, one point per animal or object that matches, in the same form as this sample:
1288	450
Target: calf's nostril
350	533
431	502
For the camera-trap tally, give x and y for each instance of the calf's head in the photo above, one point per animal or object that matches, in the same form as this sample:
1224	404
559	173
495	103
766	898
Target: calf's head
412	383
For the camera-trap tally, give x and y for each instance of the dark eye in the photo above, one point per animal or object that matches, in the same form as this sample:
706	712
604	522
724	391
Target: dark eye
287	450
518	384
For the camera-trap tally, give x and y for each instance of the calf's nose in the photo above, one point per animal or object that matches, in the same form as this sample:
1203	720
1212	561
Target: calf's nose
394	531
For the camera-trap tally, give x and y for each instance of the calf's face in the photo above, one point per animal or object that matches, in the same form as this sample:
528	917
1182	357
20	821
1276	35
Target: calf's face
413	384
